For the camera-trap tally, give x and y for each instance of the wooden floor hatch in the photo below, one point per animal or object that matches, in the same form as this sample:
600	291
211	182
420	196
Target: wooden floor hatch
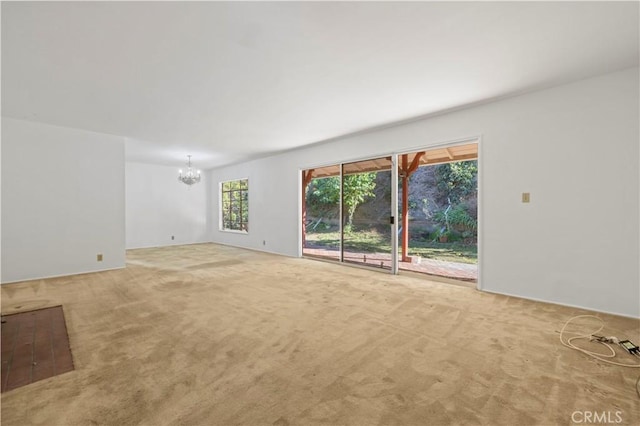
35	346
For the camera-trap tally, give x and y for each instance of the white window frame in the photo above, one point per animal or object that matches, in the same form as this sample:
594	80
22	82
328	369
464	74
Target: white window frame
221	227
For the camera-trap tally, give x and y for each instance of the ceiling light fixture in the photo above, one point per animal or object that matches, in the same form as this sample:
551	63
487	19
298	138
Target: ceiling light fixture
190	177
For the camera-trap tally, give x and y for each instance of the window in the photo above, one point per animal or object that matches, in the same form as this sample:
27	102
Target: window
234	205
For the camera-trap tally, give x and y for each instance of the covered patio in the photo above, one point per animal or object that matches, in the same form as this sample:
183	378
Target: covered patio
453	270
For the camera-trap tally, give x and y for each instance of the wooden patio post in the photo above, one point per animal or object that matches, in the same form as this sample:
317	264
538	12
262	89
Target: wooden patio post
406	171
405	207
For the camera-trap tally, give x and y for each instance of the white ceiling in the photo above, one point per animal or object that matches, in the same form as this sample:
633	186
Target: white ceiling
229	81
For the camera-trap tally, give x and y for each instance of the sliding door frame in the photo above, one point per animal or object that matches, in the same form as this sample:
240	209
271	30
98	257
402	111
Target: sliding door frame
394	198
462	141
393	220
394	214
341	207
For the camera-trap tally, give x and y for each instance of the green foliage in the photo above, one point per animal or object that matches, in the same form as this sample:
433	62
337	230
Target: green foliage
235	184
357	189
459	218
456	181
457	188
324	194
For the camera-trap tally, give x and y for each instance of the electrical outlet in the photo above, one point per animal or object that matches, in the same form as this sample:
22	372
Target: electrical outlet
526	197
264	242
99	257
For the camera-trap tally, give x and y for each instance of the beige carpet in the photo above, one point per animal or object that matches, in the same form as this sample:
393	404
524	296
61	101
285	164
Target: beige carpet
213	335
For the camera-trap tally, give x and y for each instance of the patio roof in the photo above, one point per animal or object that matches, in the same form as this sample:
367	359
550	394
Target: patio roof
468	151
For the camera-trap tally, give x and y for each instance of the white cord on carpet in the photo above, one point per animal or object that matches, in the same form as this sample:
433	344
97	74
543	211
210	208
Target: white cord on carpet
601	357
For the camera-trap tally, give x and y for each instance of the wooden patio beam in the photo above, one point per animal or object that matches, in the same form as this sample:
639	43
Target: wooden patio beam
307	175
451	156
415	163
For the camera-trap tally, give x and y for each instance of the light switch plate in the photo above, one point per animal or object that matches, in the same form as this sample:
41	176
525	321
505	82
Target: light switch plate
526	197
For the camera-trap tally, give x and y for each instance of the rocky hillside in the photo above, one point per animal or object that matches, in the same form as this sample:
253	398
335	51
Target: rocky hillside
424	197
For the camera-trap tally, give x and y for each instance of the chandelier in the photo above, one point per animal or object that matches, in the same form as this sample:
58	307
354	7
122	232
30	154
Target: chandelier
190	177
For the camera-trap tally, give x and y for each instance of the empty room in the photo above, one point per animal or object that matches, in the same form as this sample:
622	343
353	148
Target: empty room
338	213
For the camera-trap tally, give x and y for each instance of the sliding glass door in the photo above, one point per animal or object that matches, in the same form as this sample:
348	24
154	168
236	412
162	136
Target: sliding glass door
321	230
438	225
366	212
349	212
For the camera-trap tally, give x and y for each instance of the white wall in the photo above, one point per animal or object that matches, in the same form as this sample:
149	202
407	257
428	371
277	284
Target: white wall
158	207
62	201
273	205
573	147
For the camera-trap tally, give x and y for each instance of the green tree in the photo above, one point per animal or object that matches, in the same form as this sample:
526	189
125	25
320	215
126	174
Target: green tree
324	193
457	192
456	181
357	189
